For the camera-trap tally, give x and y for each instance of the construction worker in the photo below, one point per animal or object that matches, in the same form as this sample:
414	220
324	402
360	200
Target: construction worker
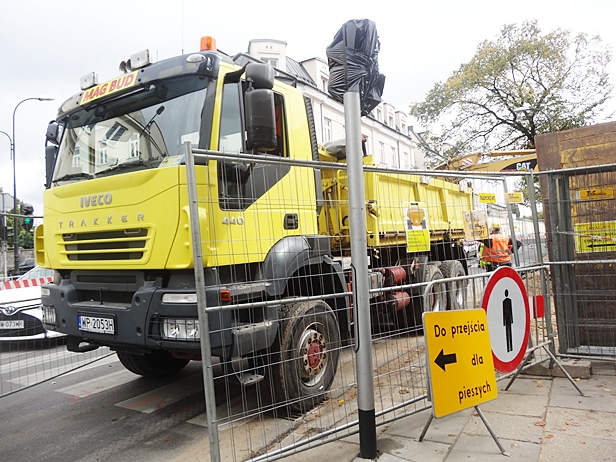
496	250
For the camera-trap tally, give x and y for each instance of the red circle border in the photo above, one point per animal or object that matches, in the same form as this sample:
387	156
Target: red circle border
501	273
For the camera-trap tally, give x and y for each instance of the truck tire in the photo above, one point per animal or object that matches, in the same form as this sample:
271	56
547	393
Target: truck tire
456	290
438	293
154	365
302	368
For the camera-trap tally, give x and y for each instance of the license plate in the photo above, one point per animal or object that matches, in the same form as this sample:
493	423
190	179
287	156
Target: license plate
11	324
95	324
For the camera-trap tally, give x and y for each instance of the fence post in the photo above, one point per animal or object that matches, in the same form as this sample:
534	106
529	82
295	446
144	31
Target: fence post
511	226
359	262
204	328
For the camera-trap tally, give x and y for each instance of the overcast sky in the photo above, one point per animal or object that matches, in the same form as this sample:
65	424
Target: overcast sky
45	47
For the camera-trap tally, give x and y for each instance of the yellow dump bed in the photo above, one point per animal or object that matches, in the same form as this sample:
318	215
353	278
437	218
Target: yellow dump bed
395	205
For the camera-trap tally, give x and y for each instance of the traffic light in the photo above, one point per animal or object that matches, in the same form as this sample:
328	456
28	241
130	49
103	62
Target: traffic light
28	221
10	236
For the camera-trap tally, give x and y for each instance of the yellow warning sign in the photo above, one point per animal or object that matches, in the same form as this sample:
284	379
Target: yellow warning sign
475	224
595	194
459	360
514	198
487	198
595	237
417	229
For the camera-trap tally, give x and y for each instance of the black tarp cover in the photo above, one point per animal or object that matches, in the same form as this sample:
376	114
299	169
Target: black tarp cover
353	64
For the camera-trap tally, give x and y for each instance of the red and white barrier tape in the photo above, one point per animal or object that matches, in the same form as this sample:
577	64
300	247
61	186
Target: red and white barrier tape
25	283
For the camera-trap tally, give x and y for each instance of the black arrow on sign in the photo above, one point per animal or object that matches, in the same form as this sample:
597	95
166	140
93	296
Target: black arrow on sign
442	359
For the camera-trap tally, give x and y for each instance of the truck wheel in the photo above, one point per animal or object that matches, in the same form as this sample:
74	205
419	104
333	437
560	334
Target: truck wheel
456	290
158	363
438	293
304	364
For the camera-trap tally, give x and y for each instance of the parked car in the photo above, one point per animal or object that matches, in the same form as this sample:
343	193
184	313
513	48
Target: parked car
23	268
21	312
36	273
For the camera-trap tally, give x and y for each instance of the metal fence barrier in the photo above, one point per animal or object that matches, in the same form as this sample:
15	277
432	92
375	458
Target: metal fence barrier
275	398
280	366
581	218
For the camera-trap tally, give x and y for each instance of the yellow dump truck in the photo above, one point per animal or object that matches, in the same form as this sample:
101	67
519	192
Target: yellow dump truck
116	225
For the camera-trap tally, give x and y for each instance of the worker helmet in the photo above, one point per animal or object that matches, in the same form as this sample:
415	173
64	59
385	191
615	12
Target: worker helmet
496	226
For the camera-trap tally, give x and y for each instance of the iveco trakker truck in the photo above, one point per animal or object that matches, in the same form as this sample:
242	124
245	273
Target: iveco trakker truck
117	232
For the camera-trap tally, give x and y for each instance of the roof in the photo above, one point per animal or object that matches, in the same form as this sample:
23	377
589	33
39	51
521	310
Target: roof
299	72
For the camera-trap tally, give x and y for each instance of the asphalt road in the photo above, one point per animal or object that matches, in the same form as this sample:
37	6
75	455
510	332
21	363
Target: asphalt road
101	412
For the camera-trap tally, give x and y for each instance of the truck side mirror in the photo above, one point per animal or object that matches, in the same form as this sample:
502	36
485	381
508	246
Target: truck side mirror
51	151
54	132
260	75
260	120
259	106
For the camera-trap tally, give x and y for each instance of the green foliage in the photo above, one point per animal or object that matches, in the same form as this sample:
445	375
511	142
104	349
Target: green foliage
521	185
26	239
521	84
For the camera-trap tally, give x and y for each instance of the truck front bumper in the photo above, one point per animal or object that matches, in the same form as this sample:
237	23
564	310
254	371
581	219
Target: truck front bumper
138	318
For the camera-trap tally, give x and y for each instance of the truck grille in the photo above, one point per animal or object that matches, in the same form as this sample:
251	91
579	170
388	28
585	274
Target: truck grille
124	244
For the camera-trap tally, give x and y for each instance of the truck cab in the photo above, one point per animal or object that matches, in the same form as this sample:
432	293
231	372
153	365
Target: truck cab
116	216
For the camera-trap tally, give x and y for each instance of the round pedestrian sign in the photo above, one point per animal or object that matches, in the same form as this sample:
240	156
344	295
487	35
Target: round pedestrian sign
506	303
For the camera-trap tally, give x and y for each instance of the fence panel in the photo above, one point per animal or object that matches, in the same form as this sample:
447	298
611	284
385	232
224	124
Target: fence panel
581	215
275	246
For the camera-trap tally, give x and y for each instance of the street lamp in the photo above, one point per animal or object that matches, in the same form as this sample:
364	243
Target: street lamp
15	228
4	235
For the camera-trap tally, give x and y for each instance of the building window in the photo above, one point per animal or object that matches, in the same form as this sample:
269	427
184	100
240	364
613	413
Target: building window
324	82
102	153
406	159
271	62
134	146
77	157
327	130
381	153
379	115
394	157
391	121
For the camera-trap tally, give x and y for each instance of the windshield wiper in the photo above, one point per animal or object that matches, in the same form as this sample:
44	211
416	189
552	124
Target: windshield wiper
128	164
71	176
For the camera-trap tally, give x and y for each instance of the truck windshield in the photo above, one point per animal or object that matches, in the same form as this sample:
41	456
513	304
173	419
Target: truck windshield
133	132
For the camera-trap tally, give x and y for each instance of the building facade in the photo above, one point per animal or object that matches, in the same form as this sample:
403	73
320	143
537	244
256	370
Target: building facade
389	138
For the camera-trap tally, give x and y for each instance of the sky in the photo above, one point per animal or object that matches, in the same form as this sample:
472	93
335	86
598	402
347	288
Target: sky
45	47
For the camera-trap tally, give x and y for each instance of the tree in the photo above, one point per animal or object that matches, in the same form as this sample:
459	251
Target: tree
521	84
26	239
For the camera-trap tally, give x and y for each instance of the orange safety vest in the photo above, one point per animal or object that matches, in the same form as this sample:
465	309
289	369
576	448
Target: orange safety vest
500	252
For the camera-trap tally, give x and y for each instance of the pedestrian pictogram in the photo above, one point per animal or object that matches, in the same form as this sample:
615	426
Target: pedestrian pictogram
459	359
506	303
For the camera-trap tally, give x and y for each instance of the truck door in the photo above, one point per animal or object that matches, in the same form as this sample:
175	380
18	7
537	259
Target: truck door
242	183
257	202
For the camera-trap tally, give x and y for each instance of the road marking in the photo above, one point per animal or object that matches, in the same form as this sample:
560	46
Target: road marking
99	384
61	356
110	359
164	396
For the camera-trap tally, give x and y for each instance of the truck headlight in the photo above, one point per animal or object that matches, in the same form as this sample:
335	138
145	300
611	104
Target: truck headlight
180	329
180	298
